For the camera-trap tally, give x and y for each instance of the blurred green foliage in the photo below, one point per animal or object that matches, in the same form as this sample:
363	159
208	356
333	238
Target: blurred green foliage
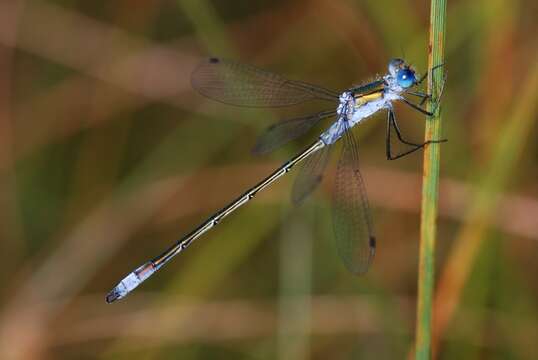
108	157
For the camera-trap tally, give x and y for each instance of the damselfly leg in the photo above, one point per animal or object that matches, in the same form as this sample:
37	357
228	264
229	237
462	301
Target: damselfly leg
425	96
423	77
391	123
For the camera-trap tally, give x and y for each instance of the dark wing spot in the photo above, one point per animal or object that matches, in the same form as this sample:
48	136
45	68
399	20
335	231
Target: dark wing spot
372	242
214	60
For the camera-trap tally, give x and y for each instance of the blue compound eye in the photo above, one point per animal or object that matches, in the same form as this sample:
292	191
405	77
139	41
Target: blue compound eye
406	78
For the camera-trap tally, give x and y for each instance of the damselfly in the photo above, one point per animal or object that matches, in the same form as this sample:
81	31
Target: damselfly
238	84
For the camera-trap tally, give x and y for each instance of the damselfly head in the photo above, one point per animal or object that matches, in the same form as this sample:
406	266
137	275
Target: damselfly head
403	73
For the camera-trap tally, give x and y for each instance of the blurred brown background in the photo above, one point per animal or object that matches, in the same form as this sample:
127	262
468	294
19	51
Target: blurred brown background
107	156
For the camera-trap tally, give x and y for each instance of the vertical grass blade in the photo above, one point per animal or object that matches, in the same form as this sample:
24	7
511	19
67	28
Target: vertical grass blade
430	188
502	169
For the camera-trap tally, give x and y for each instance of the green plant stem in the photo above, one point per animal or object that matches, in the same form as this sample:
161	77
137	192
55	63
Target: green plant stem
430	188
503	168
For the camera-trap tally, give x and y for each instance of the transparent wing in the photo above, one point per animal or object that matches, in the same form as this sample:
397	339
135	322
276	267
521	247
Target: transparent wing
351	215
244	85
280	133
310	175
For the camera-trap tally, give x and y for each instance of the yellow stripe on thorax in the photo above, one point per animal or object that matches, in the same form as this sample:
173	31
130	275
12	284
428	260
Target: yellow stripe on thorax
363	99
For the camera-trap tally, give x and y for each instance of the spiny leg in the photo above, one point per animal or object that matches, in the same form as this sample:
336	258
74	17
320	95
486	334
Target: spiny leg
439	97
419	94
417	107
429	96
423	77
423	96
391	121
